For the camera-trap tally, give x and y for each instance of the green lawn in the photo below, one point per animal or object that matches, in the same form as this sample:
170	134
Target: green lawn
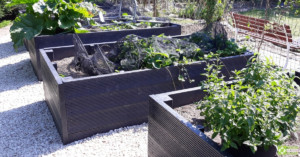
4	23
282	16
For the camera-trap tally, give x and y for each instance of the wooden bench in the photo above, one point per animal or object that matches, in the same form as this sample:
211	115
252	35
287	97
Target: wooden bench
263	29
275	33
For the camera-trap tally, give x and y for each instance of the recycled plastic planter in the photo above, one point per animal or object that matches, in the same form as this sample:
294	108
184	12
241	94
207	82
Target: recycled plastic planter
297	80
44	41
85	106
171	135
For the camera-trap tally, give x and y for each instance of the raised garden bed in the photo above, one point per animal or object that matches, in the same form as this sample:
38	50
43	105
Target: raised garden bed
44	41
297	80
172	134
85	106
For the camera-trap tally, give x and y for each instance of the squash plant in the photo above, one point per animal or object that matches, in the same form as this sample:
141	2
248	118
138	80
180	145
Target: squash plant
258	110
48	17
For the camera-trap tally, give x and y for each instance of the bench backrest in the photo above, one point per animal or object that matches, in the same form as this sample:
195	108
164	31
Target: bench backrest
260	26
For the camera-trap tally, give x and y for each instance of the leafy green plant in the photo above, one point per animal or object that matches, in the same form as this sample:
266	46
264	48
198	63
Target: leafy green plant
131	25
294	3
156	52
7	12
213	10
258	110
192	10
48	17
218	45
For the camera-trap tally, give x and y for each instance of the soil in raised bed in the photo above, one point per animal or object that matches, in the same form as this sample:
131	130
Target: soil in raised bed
192	114
66	68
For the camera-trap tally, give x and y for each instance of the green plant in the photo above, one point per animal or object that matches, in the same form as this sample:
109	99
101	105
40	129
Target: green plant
292	3
218	45
155	52
192	10
7	12
213	10
131	25
258	109
49	17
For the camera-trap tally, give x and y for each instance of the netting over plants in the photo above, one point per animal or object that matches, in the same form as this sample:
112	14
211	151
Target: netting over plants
95	64
133	52
153	52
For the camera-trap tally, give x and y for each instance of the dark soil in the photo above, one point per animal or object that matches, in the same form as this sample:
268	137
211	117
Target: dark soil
66	67
191	114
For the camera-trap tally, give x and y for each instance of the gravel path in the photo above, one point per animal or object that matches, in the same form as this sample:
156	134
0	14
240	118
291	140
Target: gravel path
26	125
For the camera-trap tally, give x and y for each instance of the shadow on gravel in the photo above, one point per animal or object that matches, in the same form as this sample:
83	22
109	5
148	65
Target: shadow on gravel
15	76
7	50
28	131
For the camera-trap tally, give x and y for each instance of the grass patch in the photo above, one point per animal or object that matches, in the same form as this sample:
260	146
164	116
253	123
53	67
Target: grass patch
5	23
278	15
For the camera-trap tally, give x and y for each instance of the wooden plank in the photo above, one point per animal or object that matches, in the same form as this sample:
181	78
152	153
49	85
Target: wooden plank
256	27
278	30
260	32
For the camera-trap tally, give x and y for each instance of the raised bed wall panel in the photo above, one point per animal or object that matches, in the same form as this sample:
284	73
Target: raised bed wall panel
53	99
64	52
112	91
102	101
119	117
155	149
29	44
97	37
107	92
172	135
186	98
297	80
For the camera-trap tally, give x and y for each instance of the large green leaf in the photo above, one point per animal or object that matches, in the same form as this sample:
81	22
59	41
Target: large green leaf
26	26
39	7
66	22
18	2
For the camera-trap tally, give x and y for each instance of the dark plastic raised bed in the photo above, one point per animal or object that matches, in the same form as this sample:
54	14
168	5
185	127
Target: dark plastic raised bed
297	80
85	106
44	41
171	135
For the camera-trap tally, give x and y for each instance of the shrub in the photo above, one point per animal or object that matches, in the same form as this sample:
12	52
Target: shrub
192	10
6	12
259	109
219	45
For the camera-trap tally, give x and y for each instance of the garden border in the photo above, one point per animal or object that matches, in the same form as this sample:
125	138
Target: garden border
44	41
82	107
171	135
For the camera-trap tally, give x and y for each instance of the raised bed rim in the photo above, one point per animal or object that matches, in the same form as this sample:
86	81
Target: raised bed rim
171	25
49	63
164	98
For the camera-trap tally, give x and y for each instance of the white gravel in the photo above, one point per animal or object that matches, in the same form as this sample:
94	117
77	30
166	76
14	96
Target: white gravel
26	125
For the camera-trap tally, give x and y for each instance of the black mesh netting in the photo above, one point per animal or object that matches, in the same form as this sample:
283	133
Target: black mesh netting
95	64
